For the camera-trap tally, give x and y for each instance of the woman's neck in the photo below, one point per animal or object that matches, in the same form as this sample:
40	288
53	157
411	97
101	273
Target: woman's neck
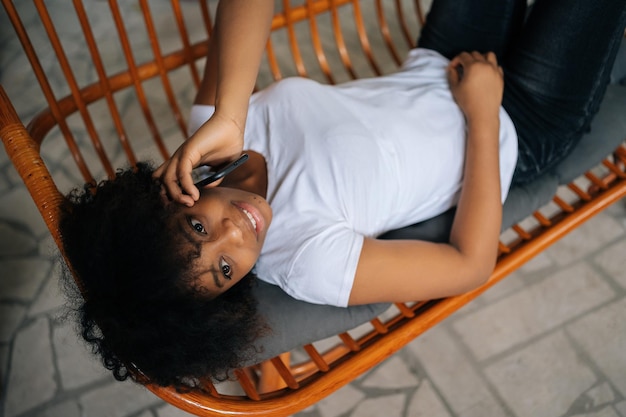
251	176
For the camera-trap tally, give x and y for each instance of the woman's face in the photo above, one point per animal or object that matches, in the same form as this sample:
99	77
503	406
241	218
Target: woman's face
229	225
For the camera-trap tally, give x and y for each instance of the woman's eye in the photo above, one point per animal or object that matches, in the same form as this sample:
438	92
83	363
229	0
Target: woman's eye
227	271
197	226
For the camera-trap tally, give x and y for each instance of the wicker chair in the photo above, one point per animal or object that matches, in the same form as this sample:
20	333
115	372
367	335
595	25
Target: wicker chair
95	121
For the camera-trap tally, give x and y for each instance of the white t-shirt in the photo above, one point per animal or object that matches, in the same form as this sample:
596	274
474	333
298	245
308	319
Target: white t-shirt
352	161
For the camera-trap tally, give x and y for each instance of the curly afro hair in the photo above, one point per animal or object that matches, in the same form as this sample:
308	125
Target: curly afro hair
139	306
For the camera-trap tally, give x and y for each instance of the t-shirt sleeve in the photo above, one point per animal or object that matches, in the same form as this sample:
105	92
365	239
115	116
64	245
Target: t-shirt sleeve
324	269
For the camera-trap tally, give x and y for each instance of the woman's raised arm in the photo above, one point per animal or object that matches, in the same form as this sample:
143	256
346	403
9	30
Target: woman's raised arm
236	47
403	270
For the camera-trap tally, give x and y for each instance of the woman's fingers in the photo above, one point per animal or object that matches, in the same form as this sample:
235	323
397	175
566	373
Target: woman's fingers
491	58
178	186
183	173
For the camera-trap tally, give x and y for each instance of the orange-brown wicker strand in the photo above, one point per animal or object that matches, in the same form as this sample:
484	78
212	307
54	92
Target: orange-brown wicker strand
272	62
595	180
543	220
339	39
284	372
104	81
136	79
182	30
158	59
561	203
349	342
379	326
293	40
404	310
502	248
246	383
206	18
317	43
384	30
316	357
521	232
73	85
363	38
421	16
57	114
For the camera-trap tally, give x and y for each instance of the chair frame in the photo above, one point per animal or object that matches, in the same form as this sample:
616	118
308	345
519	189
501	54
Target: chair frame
277	387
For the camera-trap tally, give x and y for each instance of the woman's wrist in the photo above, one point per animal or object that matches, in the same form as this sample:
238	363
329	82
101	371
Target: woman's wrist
483	124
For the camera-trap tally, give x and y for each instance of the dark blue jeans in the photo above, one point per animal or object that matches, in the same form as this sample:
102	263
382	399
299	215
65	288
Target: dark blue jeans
557	59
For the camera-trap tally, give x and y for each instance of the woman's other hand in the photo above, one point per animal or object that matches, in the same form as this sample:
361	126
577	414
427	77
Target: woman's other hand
476	81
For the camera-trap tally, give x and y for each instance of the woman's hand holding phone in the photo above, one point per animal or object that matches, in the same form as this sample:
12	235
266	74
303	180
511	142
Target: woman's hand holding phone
218	141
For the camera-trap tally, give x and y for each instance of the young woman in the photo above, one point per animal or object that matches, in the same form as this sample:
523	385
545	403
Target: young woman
166	271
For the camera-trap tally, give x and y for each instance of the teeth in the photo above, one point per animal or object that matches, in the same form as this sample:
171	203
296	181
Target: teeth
250	218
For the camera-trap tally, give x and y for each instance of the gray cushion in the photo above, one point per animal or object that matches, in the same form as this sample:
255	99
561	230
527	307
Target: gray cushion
618	73
295	323
608	130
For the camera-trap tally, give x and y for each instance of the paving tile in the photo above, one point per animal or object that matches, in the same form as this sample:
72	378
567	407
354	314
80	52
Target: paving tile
454	377
13	177
508	285
393	373
600	395
4	183
21	85
532	311
22	278
388	406
15	242
48	248
601	335
4	361
426	403
168	410
588	237
17	206
593	399
31	377
540	262
613	261
621	408
64	409
117	399
605	412
77	366
618	209
50	297
12	316
543	379
340	402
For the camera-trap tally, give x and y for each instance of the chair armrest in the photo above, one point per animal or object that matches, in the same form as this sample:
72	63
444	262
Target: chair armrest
24	152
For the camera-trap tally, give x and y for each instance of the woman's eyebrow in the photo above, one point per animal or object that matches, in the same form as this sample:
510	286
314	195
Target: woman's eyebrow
215	273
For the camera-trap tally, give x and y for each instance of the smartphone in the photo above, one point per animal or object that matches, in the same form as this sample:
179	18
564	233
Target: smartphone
204	175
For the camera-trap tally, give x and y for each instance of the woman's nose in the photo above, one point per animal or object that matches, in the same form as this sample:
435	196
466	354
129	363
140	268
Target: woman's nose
231	231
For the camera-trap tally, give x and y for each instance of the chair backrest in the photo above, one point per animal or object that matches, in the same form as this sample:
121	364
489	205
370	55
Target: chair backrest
124	94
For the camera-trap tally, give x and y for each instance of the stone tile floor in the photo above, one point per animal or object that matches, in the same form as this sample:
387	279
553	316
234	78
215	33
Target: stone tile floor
548	341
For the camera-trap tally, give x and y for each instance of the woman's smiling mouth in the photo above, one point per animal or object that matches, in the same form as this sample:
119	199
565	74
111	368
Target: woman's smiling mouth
247	213
253	215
